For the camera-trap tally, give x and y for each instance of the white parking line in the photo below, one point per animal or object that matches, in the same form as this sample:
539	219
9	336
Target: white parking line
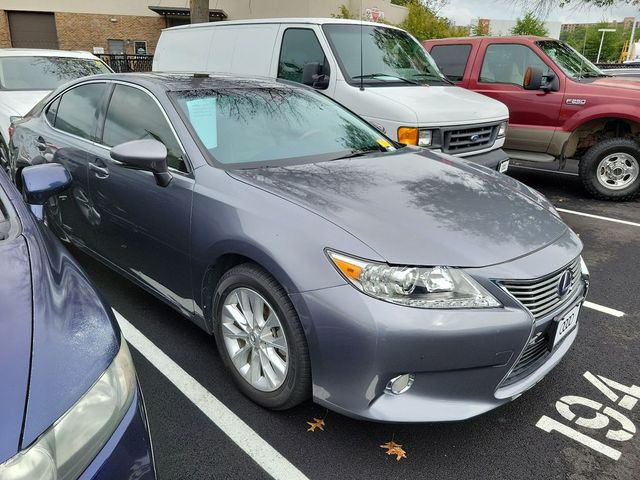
599	217
233	426
603	309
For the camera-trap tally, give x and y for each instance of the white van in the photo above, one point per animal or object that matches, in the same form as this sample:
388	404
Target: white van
394	84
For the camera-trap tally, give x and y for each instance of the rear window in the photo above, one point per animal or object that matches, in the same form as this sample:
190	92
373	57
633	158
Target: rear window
45	73
452	60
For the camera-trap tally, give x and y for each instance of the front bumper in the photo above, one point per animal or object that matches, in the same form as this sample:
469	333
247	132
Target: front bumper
460	358
492	159
128	453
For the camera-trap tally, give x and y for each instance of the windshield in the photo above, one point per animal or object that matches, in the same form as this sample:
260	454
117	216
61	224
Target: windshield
569	60
253	127
45	73
389	56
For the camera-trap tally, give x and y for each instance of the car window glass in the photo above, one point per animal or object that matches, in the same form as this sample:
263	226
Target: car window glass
299	47
452	60
77	110
507	63
45	73
134	115
52	110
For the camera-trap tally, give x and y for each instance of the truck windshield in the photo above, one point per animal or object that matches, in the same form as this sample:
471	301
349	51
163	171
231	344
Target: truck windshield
389	56
267	126
45	73
569	60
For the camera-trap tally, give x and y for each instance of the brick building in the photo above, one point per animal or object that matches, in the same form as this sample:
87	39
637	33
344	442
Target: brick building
626	24
133	26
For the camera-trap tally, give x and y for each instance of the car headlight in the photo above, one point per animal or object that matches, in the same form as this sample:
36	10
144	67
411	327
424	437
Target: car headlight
502	129
65	450
583	268
435	287
421	137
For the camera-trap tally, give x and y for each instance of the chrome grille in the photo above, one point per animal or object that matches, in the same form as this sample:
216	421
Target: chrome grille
459	139
536	351
540	296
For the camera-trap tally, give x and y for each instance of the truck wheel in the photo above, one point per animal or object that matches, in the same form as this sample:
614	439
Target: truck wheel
610	170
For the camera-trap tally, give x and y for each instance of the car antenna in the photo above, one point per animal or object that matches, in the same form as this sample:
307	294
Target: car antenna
361	55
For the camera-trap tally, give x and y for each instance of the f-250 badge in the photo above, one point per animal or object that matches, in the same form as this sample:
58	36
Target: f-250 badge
576	101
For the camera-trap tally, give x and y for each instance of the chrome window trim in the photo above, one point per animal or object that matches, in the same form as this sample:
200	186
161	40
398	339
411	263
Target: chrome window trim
106	147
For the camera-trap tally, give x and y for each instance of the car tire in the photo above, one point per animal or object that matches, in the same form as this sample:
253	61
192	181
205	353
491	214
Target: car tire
4	156
295	384
610	170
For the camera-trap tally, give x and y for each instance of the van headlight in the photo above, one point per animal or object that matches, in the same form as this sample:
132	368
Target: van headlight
502	129
65	450
434	287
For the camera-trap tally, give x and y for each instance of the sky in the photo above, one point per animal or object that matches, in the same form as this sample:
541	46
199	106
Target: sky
464	12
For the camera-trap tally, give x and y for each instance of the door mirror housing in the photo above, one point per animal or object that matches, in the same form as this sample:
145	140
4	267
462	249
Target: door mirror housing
316	75
149	155
532	79
40	182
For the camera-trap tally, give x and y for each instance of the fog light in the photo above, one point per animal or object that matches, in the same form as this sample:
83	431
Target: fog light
400	384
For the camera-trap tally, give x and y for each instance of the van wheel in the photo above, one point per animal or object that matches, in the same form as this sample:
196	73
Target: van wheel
610	170
260	338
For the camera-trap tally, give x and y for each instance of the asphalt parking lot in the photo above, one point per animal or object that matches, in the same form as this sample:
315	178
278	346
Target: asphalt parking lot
184	382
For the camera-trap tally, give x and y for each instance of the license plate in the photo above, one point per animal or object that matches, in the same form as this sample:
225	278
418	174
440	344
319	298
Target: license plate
503	166
566	324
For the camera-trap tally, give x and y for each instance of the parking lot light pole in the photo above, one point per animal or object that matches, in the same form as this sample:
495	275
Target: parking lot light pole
632	38
603	30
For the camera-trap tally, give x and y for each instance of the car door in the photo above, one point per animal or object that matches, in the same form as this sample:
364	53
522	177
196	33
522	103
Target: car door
534	115
143	228
67	132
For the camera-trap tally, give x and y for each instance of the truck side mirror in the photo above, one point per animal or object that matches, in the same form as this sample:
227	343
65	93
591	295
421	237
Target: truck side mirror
532	79
316	75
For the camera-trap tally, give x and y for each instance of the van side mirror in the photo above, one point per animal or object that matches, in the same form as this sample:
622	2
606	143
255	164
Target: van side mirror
40	182
148	154
532	78
316	75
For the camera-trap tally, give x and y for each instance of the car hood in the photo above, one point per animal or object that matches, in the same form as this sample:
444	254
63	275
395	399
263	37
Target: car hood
417	208
15	341
615	82
442	106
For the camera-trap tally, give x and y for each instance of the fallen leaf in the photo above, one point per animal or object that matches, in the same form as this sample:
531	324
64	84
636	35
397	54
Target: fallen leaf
394	448
317	423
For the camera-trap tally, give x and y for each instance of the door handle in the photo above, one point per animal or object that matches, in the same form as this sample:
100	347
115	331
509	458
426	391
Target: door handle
101	172
41	144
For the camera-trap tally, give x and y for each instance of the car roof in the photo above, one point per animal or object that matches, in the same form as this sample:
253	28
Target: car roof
504	38
36	52
311	21
174	81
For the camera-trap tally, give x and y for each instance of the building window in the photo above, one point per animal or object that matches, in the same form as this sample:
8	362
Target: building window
140	47
115	47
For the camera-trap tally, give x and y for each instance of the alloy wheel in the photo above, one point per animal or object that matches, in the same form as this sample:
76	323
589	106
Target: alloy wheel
254	339
617	171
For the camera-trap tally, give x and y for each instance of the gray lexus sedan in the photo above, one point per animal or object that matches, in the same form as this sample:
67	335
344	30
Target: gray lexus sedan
388	282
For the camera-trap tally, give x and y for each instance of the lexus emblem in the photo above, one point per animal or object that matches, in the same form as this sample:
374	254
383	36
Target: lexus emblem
564	283
474	138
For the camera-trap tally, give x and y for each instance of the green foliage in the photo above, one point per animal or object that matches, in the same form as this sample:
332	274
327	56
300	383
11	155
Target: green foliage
479	29
530	25
344	12
423	23
586	40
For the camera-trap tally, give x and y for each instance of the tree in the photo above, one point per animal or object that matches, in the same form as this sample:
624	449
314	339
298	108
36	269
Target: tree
545	6
423	23
199	10
586	40
530	25
344	12
480	28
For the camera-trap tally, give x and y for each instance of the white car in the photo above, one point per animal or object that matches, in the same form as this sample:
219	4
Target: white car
28	75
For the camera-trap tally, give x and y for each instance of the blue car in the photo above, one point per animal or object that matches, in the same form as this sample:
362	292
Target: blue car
70	405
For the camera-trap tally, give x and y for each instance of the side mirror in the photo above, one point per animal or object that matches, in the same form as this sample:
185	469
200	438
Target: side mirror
41	182
316	75
149	155
532	79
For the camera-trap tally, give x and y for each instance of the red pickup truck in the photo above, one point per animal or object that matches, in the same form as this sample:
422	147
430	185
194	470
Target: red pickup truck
561	106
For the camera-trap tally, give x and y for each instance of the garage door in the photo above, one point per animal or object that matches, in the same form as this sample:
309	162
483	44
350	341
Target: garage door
33	30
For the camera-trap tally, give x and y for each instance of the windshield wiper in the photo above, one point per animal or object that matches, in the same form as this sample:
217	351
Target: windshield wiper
357	153
376	75
434	77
